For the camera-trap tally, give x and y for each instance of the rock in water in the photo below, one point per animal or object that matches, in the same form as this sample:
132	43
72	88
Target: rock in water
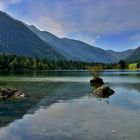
103	92
96	82
6	93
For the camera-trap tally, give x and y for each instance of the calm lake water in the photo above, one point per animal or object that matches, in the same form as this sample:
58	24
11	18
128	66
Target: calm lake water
59	106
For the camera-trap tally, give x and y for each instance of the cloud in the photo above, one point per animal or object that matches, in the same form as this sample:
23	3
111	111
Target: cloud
100	17
45	23
4	4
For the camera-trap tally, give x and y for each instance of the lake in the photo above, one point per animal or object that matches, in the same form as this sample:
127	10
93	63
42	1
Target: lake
59	105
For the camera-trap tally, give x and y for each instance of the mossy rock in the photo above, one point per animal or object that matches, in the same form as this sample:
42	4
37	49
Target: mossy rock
10	93
97	82
103	92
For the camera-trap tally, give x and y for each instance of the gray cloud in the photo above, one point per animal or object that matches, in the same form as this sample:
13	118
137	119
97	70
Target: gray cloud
100	17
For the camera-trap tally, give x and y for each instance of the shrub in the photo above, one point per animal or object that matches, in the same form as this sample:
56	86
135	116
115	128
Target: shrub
95	70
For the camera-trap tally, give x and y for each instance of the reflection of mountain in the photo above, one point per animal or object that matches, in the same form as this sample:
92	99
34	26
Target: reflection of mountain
38	94
130	86
63	92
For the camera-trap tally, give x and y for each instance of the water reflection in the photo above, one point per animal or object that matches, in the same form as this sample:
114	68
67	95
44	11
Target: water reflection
79	119
63	110
43	95
129	86
38	95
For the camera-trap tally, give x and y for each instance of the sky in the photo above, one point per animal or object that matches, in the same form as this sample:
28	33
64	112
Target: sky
108	24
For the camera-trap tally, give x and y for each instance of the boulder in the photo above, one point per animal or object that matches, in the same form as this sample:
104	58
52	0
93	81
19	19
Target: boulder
103	92
97	82
6	93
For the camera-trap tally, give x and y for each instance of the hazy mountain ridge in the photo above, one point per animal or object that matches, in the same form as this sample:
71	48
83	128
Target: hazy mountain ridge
73	49
135	56
16	38
121	55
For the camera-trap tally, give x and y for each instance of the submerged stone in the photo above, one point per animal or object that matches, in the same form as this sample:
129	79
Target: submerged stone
103	92
6	93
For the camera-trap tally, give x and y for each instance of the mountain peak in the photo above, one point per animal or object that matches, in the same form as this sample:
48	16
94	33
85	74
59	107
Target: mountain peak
16	38
33	27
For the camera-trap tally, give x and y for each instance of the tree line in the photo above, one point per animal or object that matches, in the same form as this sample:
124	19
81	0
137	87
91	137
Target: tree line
14	62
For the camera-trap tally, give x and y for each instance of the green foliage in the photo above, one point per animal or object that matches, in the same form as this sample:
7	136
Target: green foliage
14	62
138	64
122	64
133	66
95	70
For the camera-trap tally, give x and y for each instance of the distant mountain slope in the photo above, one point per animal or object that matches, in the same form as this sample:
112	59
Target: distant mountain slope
121	55
73	49
16	38
135	56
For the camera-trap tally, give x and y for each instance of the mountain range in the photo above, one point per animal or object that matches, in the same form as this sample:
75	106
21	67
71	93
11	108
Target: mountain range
19	38
73	49
16	38
121	55
134	57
